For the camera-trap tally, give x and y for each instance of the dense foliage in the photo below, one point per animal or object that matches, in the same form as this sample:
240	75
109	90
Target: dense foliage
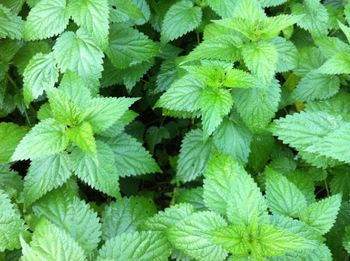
174	130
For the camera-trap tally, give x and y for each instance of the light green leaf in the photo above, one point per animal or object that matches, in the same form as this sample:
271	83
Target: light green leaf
287	54
98	171
102	113
83	137
39	75
194	154
183	95
50	243
73	216
192	196
62	109
233	138
164	220
93	17
197	228
11	224
44	139
338	64
283	197
271	3
215	103
181	18
261	59
229	190
130	156
11	25
128	46
315	18
250	10
322	214
10	181
44	175
257	106
10	136
239	79
316	86
272	26
258	241
125	216
142	246
78	52
124	11
224	8
46	19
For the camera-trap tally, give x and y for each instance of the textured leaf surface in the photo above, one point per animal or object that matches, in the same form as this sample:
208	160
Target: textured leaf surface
74	217
46	19
51	243
194	154
147	245
44	139
126	216
283	197
127	46
131	157
10	25
180	19
39	75
92	16
99	170
10	136
46	174
322	214
77	52
192	236
11	224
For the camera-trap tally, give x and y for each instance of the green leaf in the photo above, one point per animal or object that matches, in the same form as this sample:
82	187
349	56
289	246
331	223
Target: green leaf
346	239
11	25
257	106
128	46
44	139
283	197
12	227
215	103
261	59
44	175
271	3
63	110
258	241
192	196
233	138
83	137
229	190
93	17
164	220
102	113
197	228
78	52
315	18
46	19
288	55
130	156
124	11
194	154
98	171
250	10
39	75
51	243
75	89
316	86
181	18
10	181
224	8
322	214
126	216
183	95
147	245
239	79
73	216
10	136
272	26
338	64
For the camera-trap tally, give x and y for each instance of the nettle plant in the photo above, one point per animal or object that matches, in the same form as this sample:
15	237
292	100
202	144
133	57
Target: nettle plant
174	130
